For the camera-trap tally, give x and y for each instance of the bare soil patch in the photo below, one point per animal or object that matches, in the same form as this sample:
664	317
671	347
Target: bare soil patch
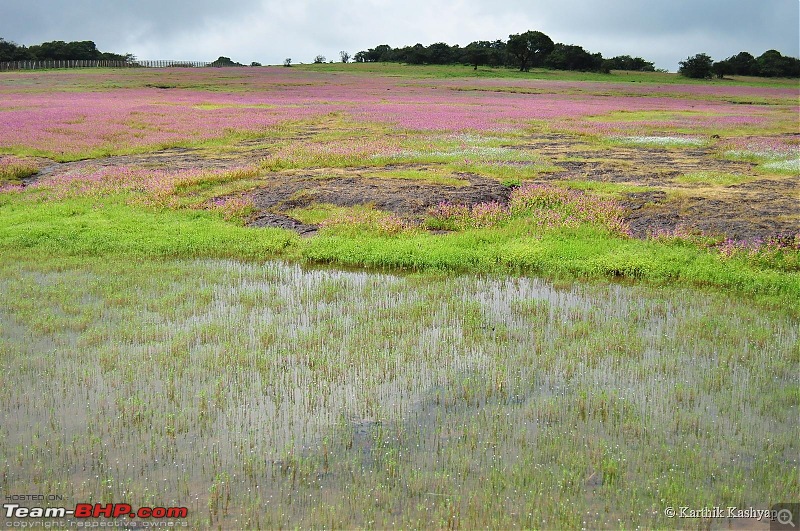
752	210
408	198
759	208
174	159
764	207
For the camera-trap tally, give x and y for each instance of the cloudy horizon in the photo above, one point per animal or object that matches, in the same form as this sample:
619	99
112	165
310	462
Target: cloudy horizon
267	31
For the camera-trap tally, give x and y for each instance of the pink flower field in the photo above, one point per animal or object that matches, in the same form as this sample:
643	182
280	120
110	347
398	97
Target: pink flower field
53	115
212	138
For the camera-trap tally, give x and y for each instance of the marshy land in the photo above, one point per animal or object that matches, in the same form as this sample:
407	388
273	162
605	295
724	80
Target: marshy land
577	307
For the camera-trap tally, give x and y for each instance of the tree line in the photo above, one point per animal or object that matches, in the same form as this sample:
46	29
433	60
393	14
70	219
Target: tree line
535	49
527	50
524	51
769	64
57	51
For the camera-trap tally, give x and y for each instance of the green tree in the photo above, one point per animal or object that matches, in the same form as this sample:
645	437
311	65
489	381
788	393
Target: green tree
380	53
225	61
626	62
477	53
498	53
10	51
571	57
84	50
742	64
773	64
109	56
722	68
529	49
413	55
50	50
699	66
60	50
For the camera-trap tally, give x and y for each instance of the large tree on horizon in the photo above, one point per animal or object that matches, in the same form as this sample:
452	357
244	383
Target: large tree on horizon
529	48
699	66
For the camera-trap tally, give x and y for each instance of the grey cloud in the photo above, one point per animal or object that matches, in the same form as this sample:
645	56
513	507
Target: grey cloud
270	30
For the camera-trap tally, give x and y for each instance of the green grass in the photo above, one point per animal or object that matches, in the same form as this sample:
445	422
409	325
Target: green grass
714	178
461	71
222	144
584	253
658	141
84	227
605	189
787	167
433	175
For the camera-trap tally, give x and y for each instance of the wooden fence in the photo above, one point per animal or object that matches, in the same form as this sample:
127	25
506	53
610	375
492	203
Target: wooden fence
39	65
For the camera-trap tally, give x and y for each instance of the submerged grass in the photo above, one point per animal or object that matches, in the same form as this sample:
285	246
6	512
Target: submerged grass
263	395
572	253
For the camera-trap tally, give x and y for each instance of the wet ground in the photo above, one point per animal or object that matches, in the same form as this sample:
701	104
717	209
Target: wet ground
760	206
408	198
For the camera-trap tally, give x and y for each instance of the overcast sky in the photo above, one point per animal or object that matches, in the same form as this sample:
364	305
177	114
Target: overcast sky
267	31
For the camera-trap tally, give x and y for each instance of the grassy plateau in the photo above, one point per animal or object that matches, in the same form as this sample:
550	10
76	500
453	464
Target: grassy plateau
525	300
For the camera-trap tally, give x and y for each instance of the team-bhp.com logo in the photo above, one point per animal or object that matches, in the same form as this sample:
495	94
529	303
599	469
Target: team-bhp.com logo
87	510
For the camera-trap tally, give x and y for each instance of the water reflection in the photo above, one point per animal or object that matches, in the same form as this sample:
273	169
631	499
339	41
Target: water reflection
271	395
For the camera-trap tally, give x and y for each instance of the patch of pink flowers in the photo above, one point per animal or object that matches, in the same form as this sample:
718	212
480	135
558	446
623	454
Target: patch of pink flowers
6	188
153	186
759	246
232	207
568	207
545	206
111	114
459	217
770	147
384	223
